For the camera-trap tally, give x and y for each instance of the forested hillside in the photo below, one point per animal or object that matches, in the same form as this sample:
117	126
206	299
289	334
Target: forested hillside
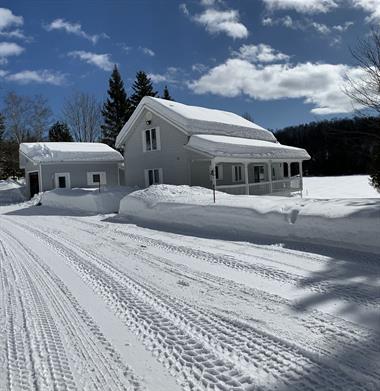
336	147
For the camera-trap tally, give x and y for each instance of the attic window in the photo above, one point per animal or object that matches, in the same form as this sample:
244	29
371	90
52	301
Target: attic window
151	140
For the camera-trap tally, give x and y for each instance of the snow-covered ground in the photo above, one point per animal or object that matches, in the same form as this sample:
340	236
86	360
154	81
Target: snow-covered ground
11	192
349	186
97	303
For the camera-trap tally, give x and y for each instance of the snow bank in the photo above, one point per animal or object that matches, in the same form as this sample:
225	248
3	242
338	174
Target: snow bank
349	186
341	222
87	200
11	192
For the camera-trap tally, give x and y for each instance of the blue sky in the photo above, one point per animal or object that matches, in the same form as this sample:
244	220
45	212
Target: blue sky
282	61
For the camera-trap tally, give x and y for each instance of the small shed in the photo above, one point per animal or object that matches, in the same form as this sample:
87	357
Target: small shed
67	165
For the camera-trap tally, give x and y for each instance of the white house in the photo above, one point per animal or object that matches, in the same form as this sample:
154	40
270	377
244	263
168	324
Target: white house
169	142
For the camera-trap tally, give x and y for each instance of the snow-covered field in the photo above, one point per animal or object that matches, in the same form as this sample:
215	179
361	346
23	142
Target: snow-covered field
97	303
349	186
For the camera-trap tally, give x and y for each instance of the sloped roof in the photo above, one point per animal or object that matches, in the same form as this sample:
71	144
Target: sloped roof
198	120
225	146
69	152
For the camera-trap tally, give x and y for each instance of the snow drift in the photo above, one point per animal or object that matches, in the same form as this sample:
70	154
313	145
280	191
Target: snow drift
350	223
87	200
11	192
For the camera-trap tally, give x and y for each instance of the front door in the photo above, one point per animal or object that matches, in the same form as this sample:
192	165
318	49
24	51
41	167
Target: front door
34	185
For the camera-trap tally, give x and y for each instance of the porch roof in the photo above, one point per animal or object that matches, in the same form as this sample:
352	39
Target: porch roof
236	147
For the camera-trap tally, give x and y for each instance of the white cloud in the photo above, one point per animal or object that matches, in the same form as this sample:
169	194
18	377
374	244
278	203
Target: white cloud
370	6
343	27
302	6
147	51
306	24
15	34
172	75
318	84
8	19
198	67
73	28
8	49
227	22
102	61
260	53
40	76
184	9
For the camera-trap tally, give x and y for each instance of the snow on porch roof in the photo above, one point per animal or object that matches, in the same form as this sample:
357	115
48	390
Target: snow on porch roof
69	152
224	146
197	120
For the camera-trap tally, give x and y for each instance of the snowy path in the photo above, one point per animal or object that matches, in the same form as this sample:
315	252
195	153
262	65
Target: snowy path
90	303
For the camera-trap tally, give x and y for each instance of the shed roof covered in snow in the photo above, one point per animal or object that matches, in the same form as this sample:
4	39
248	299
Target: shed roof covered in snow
197	120
69	152
224	146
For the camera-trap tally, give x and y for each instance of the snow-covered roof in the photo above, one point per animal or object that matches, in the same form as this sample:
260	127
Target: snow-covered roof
224	146
197	120
69	152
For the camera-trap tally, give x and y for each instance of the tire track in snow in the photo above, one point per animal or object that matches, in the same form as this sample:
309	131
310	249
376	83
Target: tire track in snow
358	294
99	364
36	358
224	350
358	344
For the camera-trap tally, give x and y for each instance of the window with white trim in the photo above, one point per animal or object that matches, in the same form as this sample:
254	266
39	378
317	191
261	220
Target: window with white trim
96	178
62	180
153	176
219	172
237	173
151	140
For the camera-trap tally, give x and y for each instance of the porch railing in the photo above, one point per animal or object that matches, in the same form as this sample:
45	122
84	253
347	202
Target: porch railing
287	185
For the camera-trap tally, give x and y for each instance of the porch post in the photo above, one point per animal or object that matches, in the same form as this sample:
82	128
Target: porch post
246	178
301	176
270	176
289	167
213	177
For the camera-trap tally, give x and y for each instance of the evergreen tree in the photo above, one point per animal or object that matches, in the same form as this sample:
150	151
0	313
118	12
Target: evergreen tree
60	132
166	94
375	168
116	110
2	127
141	87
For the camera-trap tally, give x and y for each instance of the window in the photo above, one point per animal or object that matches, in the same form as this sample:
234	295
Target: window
219	172
96	178
237	173
258	174
153	176
62	180
151	140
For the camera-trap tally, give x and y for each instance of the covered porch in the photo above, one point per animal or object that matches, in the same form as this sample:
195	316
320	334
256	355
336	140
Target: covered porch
246	166
254	177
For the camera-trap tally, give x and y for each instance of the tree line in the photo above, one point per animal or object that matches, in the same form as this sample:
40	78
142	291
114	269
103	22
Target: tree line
84	118
336	147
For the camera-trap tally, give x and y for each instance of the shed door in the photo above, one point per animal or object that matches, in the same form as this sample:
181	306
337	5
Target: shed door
34	185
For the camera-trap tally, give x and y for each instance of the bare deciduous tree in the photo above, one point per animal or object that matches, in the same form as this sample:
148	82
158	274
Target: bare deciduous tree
16	112
26	118
40	117
82	112
365	89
